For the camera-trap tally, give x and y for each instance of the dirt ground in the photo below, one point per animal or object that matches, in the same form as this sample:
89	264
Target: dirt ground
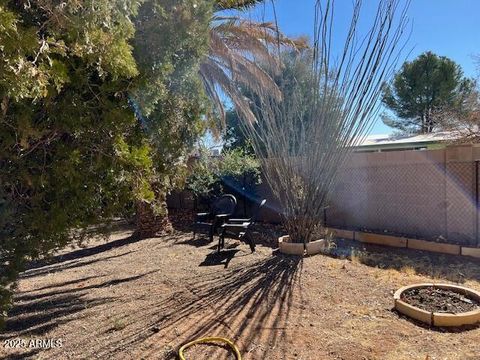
142	299
440	300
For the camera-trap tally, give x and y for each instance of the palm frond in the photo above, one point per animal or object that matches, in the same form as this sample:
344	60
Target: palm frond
237	46
236	4
254	77
214	75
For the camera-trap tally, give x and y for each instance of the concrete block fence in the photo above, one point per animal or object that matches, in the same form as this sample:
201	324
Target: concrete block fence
426	196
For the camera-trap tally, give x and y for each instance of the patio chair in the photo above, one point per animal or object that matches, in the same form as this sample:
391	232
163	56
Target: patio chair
240	228
220	211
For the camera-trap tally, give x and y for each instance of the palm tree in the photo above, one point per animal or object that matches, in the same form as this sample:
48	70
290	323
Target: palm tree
235	46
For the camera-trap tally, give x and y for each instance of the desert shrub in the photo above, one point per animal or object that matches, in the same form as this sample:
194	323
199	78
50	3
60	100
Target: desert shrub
303	138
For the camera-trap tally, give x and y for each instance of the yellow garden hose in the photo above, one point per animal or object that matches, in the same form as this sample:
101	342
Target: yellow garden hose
208	340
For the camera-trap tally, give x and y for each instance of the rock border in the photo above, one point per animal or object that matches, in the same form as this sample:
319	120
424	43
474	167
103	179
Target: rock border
435	318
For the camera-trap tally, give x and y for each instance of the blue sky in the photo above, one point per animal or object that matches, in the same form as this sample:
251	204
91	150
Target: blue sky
447	27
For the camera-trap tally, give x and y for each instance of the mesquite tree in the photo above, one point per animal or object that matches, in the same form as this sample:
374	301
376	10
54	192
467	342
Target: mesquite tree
302	140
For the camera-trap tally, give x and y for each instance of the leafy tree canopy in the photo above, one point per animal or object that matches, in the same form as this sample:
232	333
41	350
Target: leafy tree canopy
170	41
234	137
295	79
420	88
234	171
75	78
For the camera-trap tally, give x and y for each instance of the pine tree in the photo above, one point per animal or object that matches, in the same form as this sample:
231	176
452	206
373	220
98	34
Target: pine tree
420	88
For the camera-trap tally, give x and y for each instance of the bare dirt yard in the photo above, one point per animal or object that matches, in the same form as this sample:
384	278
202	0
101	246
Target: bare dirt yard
141	299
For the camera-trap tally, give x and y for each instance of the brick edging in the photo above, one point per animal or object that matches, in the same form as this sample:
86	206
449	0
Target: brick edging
404	242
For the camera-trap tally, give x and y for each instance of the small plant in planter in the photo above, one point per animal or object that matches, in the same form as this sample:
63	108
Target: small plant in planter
303	139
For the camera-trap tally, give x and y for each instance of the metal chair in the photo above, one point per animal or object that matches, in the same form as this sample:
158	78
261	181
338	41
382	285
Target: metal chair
221	210
240	228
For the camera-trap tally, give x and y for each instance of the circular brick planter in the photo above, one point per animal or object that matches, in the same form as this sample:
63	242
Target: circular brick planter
311	248
437	318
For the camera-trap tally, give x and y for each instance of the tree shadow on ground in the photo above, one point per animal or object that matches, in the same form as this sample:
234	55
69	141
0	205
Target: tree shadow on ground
62	284
38	313
49	295
61	266
439	266
250	304
199	241
81	253
23	355
39	317
219	258
76	258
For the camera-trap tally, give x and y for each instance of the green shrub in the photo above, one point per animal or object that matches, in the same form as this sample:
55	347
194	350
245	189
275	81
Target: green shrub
234	171
74	150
